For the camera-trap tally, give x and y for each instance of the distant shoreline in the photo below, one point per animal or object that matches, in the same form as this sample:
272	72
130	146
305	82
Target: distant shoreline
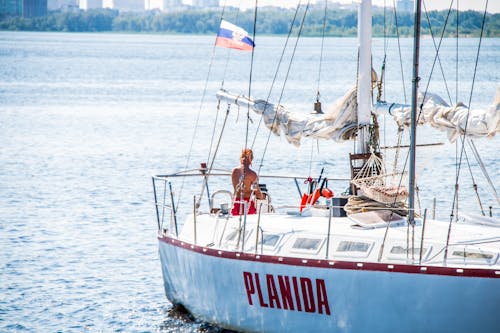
159	33
270	22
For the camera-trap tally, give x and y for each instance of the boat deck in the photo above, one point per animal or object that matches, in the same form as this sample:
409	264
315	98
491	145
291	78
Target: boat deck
289	234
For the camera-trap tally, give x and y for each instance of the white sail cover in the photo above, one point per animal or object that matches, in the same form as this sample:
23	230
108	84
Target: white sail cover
338	123
452	119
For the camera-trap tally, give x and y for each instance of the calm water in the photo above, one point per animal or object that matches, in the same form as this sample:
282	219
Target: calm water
86	119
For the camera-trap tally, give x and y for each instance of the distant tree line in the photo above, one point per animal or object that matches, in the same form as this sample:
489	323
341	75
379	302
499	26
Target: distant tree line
271	21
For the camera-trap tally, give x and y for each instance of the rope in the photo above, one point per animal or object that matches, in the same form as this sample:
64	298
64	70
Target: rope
358	204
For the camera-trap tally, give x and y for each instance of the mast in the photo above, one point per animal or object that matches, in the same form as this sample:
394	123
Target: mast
414	102
364	74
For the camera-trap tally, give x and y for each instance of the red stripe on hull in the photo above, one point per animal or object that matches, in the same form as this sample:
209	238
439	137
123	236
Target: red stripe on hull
324	263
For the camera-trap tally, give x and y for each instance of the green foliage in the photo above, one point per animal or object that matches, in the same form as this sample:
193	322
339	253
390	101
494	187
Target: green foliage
269	21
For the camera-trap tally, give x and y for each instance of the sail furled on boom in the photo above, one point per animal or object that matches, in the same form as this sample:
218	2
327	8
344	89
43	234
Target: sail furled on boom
339	123
452	119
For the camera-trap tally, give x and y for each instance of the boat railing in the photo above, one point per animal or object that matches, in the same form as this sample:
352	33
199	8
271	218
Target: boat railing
167	215
164	204
167	218
164	195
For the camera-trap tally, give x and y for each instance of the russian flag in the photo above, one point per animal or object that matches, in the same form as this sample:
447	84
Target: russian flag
233	37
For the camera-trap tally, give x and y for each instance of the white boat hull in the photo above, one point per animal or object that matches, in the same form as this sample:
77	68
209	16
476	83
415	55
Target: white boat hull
247	292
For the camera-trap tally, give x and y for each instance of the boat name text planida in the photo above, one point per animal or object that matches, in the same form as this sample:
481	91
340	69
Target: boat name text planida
287	292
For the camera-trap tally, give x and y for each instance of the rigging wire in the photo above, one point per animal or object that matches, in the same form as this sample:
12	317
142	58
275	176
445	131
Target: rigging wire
456	55
456	94
428	82
311	157
286	76
210	168
399	49
463	137
317	106
229	52
472	146
437	48
251	72
205	179
380	85
277	71
198	116
285	80
321	53
474	184
434	61
226	66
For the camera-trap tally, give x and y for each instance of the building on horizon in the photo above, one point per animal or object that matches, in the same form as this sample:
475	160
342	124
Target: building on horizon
405	6
163	5
124	5
25	8
90	4
63	5
11	8
205	3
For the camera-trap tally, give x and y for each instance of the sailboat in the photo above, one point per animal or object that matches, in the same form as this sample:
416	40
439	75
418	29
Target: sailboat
361	262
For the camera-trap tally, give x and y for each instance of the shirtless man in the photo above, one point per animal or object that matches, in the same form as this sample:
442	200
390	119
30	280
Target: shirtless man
244	181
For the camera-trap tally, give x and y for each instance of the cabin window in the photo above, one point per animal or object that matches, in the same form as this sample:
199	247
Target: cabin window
350	246
403	250
474	256
269	240
307	244
232	237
